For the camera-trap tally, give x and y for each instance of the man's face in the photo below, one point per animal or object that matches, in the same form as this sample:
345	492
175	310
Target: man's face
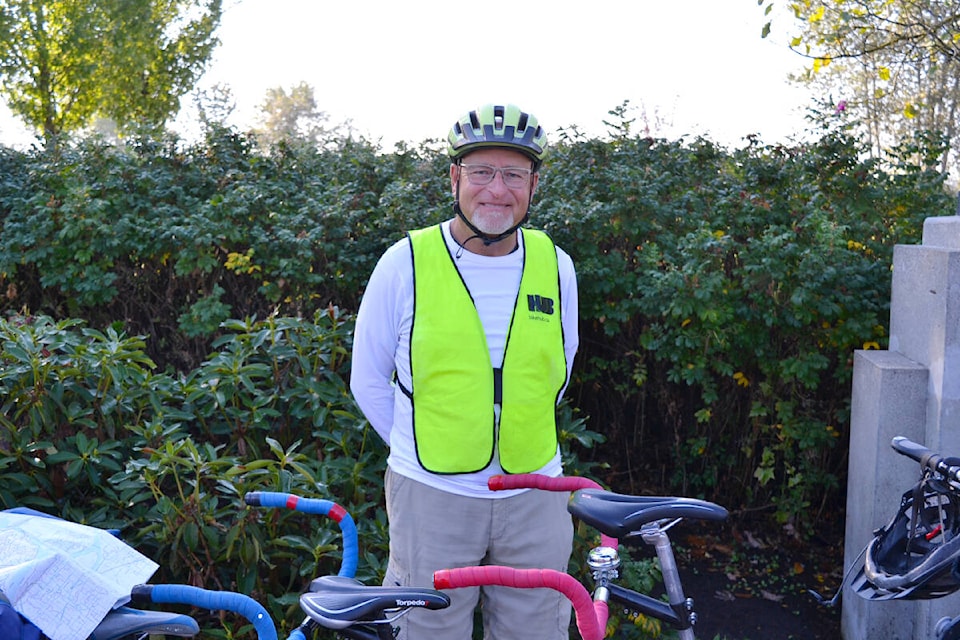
497	206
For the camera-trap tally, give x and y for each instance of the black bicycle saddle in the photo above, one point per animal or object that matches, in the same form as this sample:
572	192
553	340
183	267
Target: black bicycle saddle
126	621
619	515
337	602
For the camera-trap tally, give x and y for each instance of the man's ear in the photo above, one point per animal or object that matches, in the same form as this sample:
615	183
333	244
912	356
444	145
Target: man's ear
454	177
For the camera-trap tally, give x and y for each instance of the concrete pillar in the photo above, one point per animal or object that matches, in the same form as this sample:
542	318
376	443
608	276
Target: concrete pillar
925	326
911	390
889	399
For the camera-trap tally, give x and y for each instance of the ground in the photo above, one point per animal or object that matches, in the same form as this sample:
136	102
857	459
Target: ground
748	586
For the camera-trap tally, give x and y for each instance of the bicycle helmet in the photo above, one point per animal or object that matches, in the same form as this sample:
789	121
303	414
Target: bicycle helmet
915	556
498	126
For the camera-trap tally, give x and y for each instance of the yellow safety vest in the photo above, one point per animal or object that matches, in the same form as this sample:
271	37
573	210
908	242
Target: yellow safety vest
454	383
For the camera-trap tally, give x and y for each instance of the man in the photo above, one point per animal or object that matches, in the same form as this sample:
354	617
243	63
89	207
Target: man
464	342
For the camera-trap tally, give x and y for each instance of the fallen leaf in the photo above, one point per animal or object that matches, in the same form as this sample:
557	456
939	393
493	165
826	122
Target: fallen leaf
753	542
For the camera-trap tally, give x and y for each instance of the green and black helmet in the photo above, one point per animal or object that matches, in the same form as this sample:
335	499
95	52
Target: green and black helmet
498	126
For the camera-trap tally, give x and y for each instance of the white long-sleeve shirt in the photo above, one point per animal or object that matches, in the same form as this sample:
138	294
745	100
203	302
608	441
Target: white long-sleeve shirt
381	348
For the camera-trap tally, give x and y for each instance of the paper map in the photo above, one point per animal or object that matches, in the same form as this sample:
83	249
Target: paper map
65	577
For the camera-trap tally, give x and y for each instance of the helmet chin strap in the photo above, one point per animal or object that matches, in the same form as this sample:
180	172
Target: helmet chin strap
487	238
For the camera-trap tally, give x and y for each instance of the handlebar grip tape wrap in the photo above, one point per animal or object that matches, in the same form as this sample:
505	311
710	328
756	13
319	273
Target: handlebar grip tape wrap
548	483
211	600
316	506
539	481
591	616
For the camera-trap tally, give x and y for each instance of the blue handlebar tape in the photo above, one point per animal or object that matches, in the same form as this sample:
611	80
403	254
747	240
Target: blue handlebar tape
316	506
212	600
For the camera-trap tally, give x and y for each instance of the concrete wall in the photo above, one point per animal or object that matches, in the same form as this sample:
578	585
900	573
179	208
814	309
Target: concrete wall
911	390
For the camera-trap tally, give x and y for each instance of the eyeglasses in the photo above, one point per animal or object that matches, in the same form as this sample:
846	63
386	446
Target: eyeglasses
481	174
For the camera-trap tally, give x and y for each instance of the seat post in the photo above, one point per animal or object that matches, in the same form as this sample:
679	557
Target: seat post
657	537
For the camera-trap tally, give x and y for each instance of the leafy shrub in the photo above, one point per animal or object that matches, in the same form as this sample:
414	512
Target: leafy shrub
92	435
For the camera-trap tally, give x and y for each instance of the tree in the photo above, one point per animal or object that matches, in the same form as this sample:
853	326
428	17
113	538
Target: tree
895	63
64	63
857	28
291	116
214	105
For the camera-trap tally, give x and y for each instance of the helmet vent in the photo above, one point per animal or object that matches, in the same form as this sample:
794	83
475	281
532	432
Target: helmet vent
498	112
522	123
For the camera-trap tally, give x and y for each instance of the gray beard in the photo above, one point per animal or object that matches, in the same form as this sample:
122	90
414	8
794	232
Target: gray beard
491	224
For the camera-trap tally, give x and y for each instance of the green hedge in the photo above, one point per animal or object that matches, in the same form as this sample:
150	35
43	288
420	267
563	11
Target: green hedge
723	294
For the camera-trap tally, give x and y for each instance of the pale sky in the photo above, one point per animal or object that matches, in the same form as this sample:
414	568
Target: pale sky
406	70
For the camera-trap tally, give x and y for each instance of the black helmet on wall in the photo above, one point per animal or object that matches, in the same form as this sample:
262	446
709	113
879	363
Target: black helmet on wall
915	556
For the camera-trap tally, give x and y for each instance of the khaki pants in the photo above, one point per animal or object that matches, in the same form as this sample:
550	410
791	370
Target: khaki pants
432	530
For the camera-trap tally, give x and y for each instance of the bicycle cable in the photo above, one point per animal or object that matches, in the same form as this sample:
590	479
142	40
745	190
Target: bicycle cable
836	596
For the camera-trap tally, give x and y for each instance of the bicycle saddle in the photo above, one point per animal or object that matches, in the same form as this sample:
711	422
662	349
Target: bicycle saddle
619	515
337	602
125	621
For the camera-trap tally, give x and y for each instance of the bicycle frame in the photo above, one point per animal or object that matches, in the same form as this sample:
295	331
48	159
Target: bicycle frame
615	516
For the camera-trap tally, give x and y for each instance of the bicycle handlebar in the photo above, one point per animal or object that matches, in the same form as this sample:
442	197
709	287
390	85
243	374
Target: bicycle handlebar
348	529
591	615
539	481
548	483
926	457
213	600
